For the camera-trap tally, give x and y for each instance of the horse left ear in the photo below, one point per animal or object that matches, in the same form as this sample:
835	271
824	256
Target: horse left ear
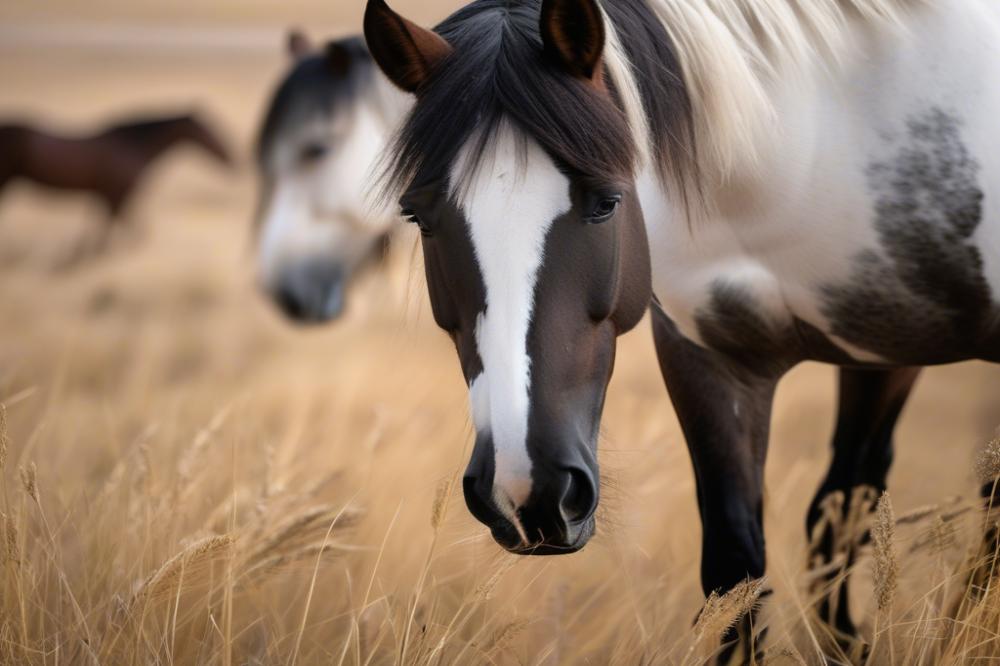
406	53
573	36
298	44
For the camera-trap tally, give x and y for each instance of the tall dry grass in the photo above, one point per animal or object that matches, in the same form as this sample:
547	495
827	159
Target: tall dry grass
201	547
185	479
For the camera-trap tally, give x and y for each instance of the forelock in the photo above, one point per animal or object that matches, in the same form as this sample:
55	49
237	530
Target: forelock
497	74
313	89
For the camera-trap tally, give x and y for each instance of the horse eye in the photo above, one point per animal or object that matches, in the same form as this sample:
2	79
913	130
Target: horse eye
411	216
605	209
313	152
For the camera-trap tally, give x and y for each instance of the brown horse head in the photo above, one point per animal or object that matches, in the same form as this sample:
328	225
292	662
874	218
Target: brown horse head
517	165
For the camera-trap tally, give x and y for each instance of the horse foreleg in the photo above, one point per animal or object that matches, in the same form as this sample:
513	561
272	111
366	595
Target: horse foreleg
725	416
869	406
118	217
984	566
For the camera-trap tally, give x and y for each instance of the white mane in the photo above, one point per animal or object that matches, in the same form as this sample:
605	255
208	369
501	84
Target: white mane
731	51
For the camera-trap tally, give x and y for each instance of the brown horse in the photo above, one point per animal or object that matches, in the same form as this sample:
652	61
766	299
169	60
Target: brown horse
110	164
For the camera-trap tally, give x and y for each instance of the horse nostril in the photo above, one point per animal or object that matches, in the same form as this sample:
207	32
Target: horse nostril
289	303
579	498
333	306
478	498
310	296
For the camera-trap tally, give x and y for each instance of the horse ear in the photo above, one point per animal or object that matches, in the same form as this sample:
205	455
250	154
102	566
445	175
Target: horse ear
298	44
573	36
406	53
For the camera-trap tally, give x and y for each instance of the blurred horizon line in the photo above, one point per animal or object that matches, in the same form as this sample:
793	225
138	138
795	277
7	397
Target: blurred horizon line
135	35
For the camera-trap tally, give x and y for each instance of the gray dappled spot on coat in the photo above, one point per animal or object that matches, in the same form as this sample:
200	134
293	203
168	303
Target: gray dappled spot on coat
736	324
921	296
733	323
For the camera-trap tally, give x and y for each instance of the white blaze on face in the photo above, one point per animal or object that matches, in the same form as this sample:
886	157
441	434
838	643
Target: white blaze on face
510	204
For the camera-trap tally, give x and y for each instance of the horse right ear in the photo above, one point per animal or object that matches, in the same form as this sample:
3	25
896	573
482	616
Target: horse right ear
573	36
298	44
406	53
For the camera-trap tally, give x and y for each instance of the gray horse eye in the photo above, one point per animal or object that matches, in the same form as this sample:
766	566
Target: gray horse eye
313	152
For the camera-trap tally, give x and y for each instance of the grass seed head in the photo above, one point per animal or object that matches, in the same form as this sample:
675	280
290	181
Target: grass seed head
3	436
189	565
886	564
440	503
722	612
11	551
303	531
508	633
988	461
261	569
29	479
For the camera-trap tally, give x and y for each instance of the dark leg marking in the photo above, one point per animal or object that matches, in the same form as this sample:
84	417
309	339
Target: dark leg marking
724	412
921	296
869	405
986	561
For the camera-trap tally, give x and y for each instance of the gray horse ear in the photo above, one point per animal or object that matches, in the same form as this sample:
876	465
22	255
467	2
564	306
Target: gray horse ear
298	44
573	36
405	52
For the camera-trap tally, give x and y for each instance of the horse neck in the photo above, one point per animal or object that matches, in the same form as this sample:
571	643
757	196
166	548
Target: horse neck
732	71
12	140
164	138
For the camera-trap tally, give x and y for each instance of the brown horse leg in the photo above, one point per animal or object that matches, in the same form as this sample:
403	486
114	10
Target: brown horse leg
725	415
869	406
127	222
117	218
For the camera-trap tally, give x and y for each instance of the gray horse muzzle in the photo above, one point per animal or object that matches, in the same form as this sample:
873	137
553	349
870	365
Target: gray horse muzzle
312	293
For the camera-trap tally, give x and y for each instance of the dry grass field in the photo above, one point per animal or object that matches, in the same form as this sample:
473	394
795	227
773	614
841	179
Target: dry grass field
187	479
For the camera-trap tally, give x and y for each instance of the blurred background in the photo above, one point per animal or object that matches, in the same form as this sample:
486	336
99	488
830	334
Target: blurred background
189	478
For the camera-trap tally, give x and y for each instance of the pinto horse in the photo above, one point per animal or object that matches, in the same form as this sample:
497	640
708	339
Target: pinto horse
326	124
781	180
109	164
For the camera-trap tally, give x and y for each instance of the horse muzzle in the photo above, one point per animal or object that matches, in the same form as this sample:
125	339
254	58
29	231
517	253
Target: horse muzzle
311	295
556	518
